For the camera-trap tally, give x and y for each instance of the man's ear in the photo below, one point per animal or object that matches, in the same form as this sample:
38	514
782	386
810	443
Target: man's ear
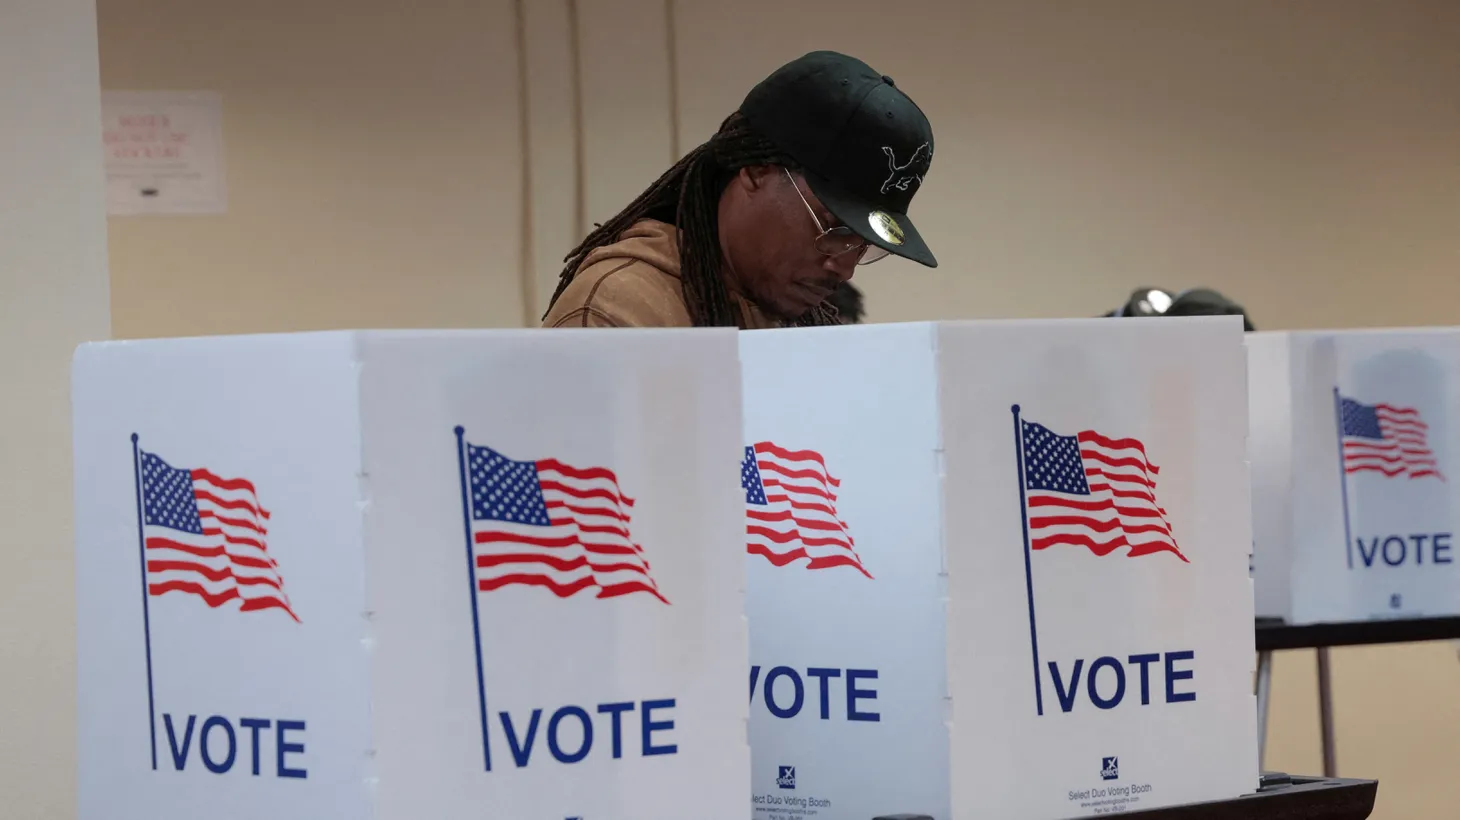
755	177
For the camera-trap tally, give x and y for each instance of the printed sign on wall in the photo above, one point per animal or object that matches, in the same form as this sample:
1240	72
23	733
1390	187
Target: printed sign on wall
163	152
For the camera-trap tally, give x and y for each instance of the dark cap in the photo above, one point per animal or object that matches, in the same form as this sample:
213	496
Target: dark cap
1207	302
1149	301
864	145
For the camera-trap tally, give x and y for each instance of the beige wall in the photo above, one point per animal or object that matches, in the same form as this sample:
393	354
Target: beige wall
53	296
1272	149
386	169
373	164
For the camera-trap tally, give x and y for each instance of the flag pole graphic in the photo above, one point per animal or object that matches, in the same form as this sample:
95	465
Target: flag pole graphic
146	619
1028	569
471	568
1348	540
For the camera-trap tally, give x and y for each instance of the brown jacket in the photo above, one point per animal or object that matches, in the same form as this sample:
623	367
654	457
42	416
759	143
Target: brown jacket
635	283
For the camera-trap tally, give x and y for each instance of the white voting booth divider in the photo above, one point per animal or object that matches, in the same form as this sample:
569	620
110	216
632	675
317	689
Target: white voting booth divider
994	569
998	569
411	575
1354	475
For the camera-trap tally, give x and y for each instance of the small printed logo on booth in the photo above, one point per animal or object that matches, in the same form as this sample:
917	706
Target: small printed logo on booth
1109	768
786	777
790	509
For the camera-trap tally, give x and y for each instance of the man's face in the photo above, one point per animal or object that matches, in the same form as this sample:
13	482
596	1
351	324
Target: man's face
768	229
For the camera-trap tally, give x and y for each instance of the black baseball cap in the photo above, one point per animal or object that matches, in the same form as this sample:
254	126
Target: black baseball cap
864	146
1148	301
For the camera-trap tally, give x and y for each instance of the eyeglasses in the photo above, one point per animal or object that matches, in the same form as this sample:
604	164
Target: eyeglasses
841	239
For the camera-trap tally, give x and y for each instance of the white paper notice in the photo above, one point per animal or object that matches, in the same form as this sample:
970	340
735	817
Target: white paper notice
164	152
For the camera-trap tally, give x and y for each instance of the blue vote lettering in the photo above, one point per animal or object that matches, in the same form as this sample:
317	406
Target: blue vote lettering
1397	550
784	691
1107	680
570	731
218	743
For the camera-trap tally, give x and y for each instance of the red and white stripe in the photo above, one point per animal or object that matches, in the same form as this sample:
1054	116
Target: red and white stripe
1404	450
1120	512
587	546
799	520
230	560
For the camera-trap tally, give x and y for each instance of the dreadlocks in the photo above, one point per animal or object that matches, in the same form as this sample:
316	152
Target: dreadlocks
690	190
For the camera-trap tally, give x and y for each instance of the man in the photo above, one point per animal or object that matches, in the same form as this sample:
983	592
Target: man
758	226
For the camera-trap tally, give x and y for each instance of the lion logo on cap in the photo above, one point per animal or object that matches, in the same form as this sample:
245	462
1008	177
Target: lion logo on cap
905	175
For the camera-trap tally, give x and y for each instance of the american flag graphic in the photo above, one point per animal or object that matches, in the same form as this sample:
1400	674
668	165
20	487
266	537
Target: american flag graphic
207	536
790	503
545	523
1380	438
1092	491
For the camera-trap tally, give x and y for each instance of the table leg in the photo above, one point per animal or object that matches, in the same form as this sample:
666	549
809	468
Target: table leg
1264	690
1325	714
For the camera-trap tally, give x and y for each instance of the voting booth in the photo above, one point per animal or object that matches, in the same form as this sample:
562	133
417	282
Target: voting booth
411	575
1354	473
998	569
